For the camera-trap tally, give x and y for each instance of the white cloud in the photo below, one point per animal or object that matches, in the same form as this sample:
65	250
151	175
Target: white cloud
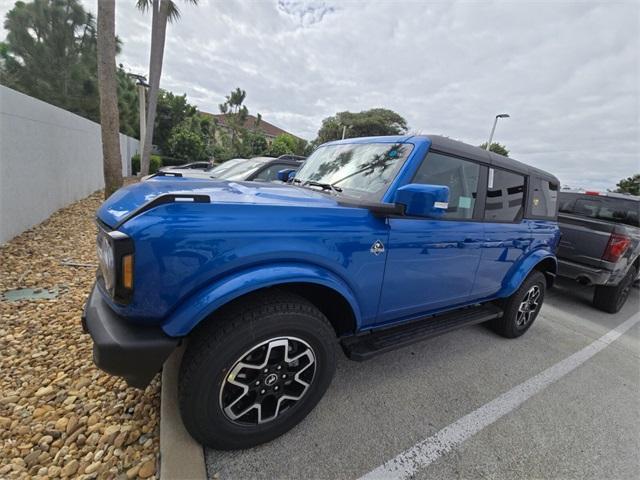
568	73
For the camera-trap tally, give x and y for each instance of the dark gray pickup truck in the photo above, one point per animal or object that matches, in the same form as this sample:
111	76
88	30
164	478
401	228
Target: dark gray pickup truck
600	244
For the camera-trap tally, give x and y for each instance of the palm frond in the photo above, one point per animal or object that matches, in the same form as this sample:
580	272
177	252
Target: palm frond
143	5
173	12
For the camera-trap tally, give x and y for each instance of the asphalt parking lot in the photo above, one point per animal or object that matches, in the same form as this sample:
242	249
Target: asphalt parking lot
584	424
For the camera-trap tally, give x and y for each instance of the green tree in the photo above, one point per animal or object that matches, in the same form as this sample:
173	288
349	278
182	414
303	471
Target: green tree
235	115
283	144
172	110
235	136
162	11
629	185
128	104
50	54
377	121
256	144
187	144
191	139
496	148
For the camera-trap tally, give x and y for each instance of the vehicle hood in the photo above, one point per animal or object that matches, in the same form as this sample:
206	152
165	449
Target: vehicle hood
124	203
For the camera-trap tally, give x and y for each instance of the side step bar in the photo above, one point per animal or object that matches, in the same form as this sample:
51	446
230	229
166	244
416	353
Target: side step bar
363	347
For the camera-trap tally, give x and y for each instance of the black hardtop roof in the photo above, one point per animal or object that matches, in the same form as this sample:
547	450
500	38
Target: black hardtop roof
454	147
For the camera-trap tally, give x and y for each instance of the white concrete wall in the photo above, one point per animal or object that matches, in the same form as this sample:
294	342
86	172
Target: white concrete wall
49	158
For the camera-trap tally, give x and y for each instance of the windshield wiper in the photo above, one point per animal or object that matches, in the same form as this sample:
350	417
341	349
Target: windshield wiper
324	186
369	167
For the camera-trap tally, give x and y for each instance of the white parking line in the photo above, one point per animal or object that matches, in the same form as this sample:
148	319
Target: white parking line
429	450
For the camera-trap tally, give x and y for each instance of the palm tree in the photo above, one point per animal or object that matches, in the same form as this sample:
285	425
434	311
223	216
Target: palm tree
107	85
162	11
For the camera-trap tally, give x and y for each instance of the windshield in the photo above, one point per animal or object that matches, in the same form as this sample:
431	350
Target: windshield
240	170
220	169
361	170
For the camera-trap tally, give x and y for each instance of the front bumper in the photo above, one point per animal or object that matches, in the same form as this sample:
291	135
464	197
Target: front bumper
577	271
120	348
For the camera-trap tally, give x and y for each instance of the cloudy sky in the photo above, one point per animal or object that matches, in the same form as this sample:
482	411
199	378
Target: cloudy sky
568	73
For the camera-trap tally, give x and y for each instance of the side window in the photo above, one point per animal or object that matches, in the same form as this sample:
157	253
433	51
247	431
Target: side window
459	175
270	173
544	198
505	196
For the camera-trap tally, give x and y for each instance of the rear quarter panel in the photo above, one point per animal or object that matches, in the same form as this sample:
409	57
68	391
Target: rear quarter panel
545	236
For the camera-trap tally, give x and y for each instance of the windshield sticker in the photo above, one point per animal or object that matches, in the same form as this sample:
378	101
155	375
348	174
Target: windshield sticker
464	202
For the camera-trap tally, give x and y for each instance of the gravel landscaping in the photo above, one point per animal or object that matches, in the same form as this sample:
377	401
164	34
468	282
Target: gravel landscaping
59	415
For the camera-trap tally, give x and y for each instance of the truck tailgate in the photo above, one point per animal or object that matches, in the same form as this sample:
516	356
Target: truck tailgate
583	239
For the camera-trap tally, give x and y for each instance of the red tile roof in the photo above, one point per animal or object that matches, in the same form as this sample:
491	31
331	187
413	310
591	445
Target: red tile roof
265	127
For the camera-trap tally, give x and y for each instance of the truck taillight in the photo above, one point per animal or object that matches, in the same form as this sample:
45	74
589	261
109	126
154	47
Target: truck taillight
616	247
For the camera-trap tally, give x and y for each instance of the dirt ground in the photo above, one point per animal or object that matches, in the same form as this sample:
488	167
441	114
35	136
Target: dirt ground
59	415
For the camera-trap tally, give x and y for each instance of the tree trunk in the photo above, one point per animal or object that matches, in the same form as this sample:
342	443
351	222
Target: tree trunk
107	82
158	34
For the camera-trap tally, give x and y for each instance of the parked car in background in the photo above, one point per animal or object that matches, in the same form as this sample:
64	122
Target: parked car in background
189	166
289	156
257	169
600	244
377	243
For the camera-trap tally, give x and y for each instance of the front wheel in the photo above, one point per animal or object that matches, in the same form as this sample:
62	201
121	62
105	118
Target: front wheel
255	371
521	308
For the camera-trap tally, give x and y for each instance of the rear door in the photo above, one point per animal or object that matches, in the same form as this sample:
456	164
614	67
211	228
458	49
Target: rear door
507	235
431	264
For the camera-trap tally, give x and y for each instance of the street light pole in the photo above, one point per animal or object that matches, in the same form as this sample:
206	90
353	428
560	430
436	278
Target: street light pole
493	129
141	82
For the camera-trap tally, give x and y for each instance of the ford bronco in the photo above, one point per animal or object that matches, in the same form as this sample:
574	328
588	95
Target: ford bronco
373	244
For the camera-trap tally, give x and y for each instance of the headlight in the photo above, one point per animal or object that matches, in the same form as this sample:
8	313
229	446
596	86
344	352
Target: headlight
115	257
106	261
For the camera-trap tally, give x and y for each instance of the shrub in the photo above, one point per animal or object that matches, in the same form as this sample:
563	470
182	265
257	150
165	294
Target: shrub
186	144
154	164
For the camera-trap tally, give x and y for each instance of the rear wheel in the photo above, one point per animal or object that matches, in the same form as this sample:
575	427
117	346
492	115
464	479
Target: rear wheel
256	371
521	308
612	298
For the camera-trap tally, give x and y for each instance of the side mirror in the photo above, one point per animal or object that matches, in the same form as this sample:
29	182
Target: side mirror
423	200
286	175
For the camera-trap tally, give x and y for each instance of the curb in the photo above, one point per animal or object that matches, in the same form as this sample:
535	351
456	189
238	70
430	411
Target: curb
181	457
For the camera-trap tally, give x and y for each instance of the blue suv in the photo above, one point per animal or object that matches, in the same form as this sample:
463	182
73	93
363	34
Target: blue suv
374	244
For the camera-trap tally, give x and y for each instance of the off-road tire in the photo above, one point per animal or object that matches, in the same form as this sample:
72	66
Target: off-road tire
508	325
216	346
612	298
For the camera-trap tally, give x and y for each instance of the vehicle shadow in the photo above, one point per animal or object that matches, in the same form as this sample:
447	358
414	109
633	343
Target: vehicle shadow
572	290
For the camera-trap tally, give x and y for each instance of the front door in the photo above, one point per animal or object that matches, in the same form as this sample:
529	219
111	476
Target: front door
431	264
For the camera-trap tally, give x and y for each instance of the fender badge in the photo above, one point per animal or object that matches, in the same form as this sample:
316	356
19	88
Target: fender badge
377	248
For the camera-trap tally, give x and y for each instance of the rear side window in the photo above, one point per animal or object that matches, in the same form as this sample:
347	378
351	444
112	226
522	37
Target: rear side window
505	196
543	198
611	209
459	175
